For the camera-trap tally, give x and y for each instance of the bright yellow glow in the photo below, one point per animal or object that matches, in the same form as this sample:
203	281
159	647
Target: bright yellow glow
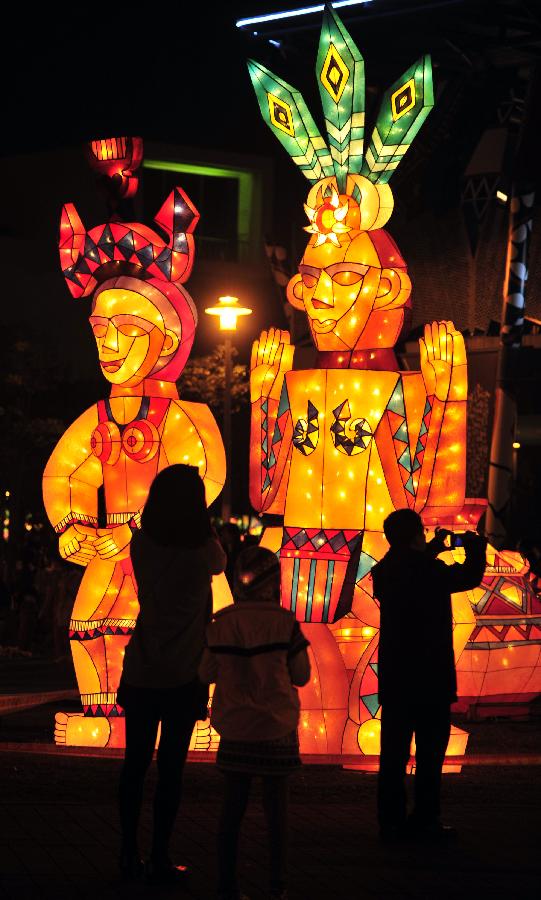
120	445
516	445
228	311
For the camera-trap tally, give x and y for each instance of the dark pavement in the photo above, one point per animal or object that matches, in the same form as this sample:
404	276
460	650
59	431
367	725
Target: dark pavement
59	834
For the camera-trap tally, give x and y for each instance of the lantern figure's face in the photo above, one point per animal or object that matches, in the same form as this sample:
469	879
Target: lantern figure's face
130	335
340	287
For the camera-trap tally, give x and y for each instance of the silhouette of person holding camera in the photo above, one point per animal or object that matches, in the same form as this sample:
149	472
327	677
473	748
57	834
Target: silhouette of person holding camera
417	678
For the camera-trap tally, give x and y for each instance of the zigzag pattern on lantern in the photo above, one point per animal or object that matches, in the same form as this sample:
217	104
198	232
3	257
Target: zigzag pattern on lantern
281	430
107	627
512	633
75	518
118	248
326	542
111	710
423	434
369	688
322	579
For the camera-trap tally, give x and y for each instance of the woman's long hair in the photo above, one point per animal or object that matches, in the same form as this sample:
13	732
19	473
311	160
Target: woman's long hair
175	514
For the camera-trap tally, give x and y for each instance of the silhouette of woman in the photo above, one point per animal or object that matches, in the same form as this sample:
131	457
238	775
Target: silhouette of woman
174	558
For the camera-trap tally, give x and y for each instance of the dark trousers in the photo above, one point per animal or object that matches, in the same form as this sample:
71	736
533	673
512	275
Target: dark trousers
145	708
275	801
431	723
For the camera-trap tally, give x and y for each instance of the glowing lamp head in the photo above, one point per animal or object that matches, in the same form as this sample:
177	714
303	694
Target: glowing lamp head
228	312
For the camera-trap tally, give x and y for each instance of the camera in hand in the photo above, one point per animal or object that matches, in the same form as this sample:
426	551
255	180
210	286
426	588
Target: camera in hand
455	540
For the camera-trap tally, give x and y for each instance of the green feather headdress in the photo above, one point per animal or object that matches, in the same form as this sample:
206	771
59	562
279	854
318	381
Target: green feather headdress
340	75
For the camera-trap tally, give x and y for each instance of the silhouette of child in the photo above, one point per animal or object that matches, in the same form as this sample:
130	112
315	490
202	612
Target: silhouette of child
256	653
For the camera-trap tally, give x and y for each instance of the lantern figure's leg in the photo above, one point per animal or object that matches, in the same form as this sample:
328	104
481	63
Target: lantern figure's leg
324	698
362	733
103	619
358	637
204	737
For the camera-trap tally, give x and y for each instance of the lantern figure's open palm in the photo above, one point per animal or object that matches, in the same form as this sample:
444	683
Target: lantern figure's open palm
272	357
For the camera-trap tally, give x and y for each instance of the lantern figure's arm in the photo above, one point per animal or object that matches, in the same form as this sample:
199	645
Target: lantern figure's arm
393	442
442	477
271	427
70	489
191	436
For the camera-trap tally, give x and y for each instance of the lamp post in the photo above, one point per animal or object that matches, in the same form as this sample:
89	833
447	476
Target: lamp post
228	312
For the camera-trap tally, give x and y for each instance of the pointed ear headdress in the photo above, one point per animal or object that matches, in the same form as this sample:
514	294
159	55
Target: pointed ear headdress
132	256
128	248
350	186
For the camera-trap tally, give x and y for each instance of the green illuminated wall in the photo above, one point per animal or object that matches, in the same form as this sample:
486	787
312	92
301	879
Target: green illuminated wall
249	198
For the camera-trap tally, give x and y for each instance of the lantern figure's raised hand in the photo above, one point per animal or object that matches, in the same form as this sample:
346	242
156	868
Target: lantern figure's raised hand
143	322
272	357
443	361
336	448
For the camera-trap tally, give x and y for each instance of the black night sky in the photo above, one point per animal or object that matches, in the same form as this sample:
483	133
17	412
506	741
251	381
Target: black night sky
180	75
177	75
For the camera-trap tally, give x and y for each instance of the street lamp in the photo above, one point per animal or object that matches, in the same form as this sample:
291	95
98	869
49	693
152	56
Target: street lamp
228	311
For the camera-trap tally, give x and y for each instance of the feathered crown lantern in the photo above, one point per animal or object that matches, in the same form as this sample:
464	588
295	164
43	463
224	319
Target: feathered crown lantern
350	186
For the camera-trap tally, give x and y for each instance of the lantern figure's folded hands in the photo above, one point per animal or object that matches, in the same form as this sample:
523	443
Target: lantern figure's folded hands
77	544
272	357
443	361
111	541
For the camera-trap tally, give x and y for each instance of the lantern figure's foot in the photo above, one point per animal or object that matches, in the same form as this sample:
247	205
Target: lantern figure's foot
77	730
458	741
204	737
366	738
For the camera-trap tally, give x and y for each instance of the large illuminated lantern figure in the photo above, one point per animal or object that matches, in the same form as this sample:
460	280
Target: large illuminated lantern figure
143	321
336	448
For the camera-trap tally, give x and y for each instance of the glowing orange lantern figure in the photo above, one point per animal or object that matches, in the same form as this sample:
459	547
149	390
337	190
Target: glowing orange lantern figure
143	322
335	449
501	662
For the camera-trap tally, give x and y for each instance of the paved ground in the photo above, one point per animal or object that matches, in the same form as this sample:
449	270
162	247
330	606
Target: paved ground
60	835
59	832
